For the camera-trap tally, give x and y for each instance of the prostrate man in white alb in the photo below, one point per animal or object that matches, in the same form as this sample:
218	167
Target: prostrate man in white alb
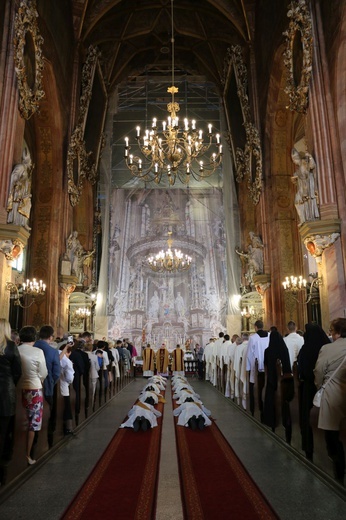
294	342
258	342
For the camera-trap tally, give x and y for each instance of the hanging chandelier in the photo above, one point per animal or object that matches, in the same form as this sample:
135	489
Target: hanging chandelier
83	312
169	260
179	151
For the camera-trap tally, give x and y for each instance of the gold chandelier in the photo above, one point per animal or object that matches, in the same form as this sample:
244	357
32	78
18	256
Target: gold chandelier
169	260
83	312
32	288
179	151
295	285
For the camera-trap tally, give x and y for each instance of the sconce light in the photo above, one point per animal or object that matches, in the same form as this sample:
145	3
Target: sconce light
294	285
31	288
83	312
249	312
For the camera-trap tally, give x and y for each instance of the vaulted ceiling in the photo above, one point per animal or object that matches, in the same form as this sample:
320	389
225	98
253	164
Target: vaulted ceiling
134	36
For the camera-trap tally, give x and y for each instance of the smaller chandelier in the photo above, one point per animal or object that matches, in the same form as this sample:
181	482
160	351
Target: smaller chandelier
31	288
83	312
295	285
250	312
169	260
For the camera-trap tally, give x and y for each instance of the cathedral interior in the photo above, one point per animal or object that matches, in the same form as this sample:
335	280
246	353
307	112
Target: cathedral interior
78	215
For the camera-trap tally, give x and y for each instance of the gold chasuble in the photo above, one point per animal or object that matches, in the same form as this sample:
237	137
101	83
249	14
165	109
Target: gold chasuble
178	360
162	360
148	359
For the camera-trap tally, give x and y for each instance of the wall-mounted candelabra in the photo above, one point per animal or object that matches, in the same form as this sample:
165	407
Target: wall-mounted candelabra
29	290
299	289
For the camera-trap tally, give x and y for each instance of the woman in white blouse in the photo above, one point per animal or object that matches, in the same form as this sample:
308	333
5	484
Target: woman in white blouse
34	372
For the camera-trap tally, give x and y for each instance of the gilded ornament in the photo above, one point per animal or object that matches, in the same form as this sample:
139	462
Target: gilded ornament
26	24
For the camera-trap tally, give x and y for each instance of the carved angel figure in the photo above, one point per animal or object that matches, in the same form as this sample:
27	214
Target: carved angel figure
253	259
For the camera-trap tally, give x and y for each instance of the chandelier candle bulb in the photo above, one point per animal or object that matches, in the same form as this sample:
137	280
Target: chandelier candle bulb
177	152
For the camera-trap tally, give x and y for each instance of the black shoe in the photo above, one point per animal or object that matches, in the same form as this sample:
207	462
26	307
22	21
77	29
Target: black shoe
201	422
145	425
137	424
193	422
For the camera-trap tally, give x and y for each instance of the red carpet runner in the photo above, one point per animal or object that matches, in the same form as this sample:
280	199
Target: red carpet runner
123	484
214	483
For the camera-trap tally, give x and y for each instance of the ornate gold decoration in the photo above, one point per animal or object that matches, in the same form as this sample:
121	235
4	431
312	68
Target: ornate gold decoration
85	168
68	283
262	283
77	152
248	161
318	235
13	239
26	24
316	244
12	249
299	33
252	154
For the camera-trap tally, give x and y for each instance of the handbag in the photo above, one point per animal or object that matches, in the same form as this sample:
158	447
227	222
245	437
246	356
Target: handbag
318	395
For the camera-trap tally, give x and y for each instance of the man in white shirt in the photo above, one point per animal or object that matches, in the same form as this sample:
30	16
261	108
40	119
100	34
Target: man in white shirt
294	342
227	350
207	358
258	342
216	359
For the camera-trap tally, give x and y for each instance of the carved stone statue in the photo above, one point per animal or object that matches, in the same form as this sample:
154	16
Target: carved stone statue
179	305
253	259
154	306
78	256
306	195
19	200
